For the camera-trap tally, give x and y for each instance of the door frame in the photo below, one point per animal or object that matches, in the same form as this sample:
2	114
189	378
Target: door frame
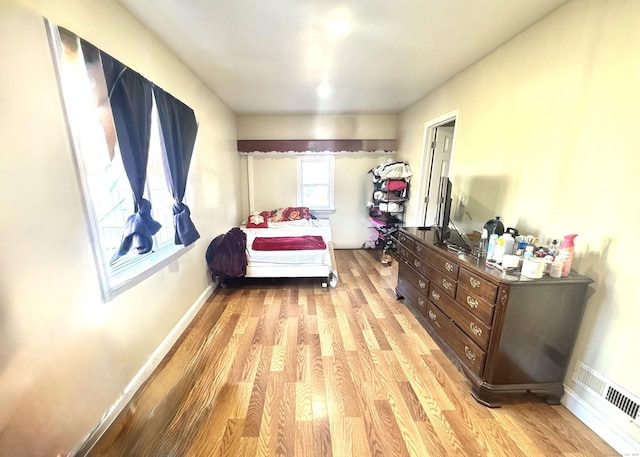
426	159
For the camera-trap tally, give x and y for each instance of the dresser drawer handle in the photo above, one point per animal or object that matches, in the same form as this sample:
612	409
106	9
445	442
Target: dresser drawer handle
435	295
474	283
447	285
420	301
477	331
416	263
422	284
434	318
448	266
419	249
469	353
472	302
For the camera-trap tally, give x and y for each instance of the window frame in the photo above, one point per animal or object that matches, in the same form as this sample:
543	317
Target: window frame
328	161
130	270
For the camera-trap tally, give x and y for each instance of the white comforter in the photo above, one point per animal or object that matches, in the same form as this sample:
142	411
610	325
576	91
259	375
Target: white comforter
302	227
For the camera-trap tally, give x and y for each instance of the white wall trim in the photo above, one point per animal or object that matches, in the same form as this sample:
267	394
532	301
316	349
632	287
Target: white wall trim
250	186
138	380
614	436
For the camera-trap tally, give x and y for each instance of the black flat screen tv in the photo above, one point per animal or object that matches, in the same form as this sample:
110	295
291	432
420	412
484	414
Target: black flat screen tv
443	210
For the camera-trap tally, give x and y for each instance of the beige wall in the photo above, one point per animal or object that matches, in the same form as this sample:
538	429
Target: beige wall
64	356
548	127
318	127
275	176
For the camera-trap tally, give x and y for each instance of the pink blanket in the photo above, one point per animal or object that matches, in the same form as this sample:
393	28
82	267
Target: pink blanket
288	243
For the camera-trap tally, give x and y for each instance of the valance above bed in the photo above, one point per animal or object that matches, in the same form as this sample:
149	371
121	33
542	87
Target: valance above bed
246	147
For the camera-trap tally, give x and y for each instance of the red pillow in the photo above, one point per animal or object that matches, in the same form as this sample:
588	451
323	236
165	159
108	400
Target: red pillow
259	220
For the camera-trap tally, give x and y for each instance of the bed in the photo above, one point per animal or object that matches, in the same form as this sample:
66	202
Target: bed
289	243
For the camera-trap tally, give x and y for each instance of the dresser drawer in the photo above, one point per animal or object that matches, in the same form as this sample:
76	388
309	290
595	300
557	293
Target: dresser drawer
443	264
410	276
407	241
417	298
421	266
467	351
447	284
475	304
475	329
402	252
479	286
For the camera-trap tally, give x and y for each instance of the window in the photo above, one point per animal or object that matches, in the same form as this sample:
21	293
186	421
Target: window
109	200
315	182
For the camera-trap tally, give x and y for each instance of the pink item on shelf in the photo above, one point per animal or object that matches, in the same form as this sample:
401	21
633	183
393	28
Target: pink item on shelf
396	184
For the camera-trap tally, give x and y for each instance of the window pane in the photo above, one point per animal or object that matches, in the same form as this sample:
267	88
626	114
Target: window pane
315	172
315	181
157	191
315	196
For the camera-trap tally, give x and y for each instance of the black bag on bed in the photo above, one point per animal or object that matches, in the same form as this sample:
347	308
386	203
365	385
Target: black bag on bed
226	255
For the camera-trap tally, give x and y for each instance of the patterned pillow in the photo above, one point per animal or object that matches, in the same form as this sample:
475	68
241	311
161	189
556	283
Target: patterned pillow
291	213
260	220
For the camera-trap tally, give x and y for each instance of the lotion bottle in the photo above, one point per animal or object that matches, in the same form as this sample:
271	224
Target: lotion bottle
509	242
498	251
493	240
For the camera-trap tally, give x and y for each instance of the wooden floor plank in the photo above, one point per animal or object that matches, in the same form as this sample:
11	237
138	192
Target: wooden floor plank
287	368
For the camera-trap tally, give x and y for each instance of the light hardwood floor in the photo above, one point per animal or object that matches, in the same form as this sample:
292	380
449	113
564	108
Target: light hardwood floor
284	368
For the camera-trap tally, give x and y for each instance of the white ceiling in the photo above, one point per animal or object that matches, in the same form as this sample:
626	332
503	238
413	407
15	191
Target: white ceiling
269	56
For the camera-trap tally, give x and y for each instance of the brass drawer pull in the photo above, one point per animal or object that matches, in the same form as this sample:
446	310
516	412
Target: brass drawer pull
420	301
416	263
470	355
419	249
447	285
435	295
448	266
422	284
434	318
474	282
477	331
472	302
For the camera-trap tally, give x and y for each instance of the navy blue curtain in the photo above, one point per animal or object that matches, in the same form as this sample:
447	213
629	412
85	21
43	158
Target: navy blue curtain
179	129
131	98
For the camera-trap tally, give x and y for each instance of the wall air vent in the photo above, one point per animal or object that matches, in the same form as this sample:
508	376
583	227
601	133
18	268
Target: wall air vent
623	402
590	379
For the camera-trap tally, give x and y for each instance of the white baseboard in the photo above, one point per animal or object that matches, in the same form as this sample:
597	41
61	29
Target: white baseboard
147	369
611	434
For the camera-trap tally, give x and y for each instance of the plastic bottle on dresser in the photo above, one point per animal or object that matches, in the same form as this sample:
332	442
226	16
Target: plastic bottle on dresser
565	253
484	244
491	249
509	242
528	252
498	251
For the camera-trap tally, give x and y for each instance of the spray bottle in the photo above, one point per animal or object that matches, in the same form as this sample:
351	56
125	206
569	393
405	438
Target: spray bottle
565	253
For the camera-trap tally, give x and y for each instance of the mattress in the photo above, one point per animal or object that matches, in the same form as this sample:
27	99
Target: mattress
290	263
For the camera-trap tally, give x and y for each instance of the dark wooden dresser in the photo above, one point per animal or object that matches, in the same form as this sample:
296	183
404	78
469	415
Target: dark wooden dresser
507	333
